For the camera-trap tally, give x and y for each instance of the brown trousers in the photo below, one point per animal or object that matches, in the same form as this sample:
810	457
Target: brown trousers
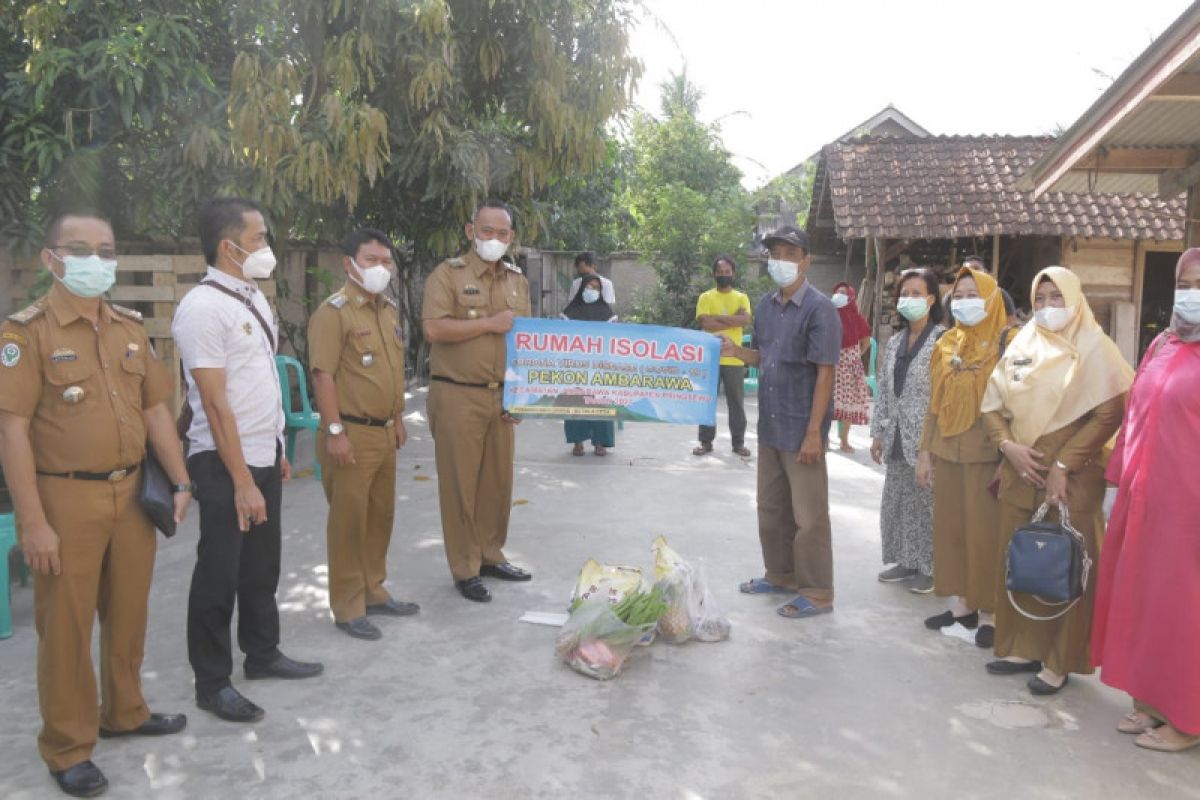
793	524
107	548
474	449
966	533
362	503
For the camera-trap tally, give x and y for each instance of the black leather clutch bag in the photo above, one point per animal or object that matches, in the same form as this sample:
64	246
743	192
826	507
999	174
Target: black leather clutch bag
157	495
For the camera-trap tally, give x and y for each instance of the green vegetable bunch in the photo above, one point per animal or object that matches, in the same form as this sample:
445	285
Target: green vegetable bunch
641	608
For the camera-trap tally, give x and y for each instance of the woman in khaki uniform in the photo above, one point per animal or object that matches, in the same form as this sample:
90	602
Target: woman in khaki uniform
1054	401
958	461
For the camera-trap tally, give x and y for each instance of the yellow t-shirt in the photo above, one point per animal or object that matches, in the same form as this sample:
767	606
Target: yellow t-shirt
715	303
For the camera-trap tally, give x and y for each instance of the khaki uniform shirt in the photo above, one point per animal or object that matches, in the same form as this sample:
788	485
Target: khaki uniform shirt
83	388
356	337
467	288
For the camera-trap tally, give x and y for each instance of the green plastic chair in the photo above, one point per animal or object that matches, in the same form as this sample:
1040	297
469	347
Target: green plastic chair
296	420
751	382
872	383
8	540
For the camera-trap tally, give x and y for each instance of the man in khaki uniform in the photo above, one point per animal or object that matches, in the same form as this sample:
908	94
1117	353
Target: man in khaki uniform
470	303
80	393
356	351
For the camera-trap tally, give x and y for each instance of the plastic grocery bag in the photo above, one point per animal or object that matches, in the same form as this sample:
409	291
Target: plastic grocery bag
595	642
692	612
605	581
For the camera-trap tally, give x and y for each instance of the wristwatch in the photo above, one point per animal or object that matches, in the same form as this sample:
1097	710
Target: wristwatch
180	488
335	429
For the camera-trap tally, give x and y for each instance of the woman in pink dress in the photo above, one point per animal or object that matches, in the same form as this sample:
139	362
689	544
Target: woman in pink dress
851	398
1146	629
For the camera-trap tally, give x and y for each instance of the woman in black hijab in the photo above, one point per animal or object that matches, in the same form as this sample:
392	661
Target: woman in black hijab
588	306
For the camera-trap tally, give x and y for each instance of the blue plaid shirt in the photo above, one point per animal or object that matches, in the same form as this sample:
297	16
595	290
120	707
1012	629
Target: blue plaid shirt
793	338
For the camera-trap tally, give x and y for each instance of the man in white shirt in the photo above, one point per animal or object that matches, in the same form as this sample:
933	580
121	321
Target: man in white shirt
227	337
585	264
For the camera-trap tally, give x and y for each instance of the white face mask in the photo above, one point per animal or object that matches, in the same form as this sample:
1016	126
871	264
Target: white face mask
373	279
1187	305
87	276
969	311
1055	319
840	300
258	265
490	249
782	272
590	295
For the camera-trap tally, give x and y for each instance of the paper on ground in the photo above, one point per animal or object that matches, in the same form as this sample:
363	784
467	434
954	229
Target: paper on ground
959	632
552	618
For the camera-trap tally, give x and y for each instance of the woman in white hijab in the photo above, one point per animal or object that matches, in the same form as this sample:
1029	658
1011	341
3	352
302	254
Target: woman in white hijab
1053	403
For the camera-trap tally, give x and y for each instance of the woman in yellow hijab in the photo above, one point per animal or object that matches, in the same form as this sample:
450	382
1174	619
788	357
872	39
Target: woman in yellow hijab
1052	404
958	461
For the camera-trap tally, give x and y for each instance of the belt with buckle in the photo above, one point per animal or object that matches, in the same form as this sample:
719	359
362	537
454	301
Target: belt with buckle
374	423
489	385
113	476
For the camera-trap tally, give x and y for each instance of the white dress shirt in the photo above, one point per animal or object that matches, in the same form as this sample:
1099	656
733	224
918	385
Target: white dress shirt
606	290
214	331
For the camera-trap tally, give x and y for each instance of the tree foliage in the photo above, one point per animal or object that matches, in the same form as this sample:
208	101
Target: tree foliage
688	202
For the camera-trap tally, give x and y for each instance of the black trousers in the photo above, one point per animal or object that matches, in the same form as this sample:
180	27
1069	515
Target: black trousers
733	378
232	567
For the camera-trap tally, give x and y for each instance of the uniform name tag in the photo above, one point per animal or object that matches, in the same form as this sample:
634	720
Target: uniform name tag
63	354
471	289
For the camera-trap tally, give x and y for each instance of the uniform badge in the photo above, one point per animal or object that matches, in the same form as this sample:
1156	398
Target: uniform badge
368	359
471	288
13	337
363	332
246	327
1022	362
72	394
131	349
472	314
10	354
63	354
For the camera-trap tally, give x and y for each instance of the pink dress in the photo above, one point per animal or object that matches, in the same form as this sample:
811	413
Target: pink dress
1146	629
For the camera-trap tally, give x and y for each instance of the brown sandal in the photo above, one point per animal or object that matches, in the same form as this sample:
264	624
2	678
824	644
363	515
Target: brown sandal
702	450
1166	740
1137	722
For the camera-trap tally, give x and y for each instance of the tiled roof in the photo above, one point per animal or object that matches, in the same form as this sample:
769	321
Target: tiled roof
945	187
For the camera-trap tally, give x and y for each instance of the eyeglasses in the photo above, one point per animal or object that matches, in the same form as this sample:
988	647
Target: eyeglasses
83	251
494	233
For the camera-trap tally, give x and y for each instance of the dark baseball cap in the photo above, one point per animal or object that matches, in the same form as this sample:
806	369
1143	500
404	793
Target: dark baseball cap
789	234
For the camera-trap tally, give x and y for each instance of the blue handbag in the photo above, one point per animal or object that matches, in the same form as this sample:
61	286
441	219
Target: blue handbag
1049	561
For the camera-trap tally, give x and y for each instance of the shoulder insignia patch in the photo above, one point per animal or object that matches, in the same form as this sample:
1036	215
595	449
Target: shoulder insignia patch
391	303
456	262
337	300
128	313
29	313
513	267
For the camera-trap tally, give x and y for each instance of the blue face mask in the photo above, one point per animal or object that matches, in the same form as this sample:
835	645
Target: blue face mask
590	295
87	276
913	308
1187	305
969	311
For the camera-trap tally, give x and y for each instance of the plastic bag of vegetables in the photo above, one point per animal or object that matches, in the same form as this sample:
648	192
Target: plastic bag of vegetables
598	636
605	582
691	613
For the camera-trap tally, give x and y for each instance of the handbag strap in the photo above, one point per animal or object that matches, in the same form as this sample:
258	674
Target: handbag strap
248	303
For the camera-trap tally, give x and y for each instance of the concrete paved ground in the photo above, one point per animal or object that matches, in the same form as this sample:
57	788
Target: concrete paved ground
464	699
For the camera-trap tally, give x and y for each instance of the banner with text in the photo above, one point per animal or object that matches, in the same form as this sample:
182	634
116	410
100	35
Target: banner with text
563	369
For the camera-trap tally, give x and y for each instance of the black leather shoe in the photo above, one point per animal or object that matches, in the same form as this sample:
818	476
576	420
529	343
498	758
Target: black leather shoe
505	572
360	628
1002	667
985	636
473	589
947	618
1040	687
394	608
230	705
82	780
157	725
285	668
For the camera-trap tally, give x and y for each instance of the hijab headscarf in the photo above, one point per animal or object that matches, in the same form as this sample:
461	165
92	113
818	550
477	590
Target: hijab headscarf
577	309
963	360
1047	380
1186	331
854	325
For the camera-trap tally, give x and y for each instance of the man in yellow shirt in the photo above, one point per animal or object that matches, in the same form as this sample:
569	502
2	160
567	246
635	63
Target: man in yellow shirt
725	311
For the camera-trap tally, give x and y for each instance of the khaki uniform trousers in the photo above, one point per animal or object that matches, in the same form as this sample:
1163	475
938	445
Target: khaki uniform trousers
362	504
107	546
793	524
474	448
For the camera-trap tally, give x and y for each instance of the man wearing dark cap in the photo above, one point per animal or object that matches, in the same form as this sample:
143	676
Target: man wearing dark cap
798	336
